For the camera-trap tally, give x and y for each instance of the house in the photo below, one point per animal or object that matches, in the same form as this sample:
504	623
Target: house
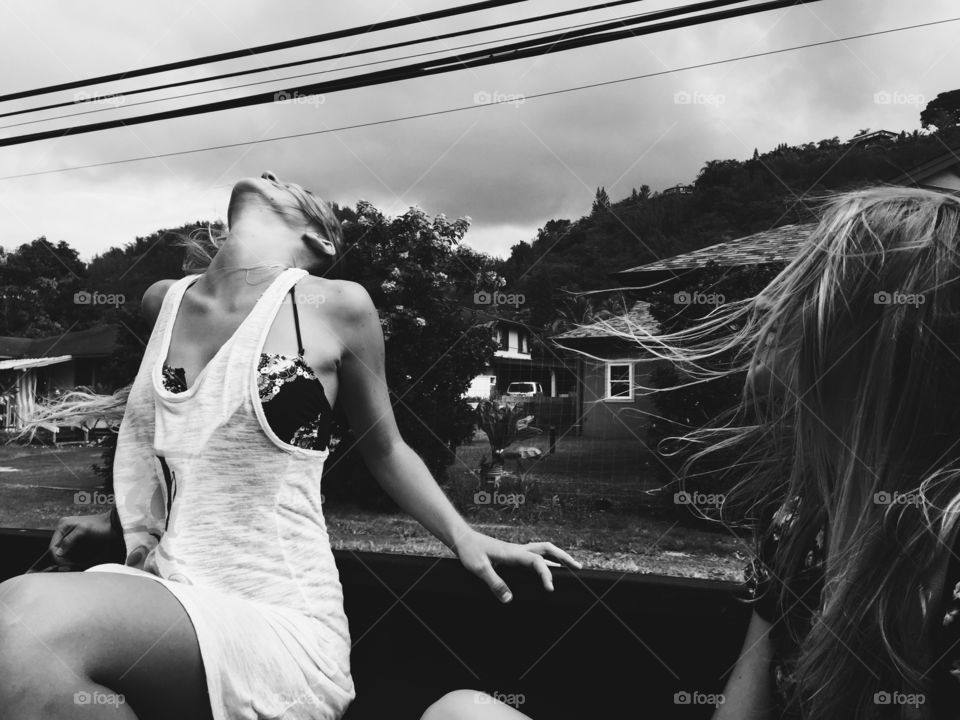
679	190
874	139
940	173
31	368
519	357
611	372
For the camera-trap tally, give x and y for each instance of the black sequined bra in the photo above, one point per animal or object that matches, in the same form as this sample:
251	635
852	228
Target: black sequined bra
293	399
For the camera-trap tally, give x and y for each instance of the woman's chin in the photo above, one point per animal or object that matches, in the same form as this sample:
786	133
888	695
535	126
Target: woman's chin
252	184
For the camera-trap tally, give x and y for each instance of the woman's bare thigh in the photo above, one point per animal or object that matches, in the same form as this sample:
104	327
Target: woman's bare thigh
127	633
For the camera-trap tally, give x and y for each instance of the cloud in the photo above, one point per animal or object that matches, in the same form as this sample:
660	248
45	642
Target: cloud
510	167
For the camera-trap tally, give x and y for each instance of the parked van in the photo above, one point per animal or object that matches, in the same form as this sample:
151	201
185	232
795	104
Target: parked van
524	389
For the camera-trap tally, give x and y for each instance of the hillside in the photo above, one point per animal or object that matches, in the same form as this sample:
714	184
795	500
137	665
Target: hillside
730	199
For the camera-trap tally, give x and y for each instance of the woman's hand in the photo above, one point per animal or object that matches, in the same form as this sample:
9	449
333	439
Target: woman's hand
83	541
479	553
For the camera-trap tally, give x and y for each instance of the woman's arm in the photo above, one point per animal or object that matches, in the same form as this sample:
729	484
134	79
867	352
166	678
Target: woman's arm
748	695
79	542
397	468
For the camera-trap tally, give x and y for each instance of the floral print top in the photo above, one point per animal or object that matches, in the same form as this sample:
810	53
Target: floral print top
293	399
806	601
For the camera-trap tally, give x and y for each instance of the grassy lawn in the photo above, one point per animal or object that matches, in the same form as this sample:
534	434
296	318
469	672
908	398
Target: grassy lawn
614	473
38	486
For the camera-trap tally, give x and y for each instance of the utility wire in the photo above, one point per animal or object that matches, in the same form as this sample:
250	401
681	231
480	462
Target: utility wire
337	56
462	108
283	79
271	47
515	51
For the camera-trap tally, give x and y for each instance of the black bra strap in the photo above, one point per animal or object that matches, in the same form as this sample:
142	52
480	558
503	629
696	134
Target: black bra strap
296	320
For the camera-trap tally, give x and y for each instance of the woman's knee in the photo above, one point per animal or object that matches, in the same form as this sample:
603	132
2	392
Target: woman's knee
30	619
25	641
20	600
455	705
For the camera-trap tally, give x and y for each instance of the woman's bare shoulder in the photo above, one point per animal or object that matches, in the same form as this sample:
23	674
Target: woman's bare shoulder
153	299
344	299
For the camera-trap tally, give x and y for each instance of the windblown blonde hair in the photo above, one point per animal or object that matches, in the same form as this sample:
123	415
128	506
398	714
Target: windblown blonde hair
867	318
82	407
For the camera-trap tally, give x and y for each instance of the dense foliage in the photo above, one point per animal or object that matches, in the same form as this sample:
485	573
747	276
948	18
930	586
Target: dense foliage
418	275
731	199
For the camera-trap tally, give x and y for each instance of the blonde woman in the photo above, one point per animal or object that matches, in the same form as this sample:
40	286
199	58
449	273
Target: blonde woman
848	434
228	603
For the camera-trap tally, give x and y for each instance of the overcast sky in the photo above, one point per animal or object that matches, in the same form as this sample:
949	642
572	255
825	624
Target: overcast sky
509	167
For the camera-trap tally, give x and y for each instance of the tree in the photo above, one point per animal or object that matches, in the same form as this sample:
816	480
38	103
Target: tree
942	112
601	201
418	276
37	285
126	273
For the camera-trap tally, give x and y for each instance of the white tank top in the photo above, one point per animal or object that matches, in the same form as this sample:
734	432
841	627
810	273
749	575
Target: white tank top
208	495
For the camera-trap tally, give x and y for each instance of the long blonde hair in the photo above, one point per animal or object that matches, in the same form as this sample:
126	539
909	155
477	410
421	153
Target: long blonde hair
867	317
82	407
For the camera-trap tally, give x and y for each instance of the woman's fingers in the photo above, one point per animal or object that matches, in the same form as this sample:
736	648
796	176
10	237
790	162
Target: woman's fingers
495	582
61	541
540	566
547	548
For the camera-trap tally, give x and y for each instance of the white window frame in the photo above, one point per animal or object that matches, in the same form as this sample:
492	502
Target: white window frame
609	397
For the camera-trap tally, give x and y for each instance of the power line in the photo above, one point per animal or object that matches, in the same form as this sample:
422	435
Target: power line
462	108
337	56
515	51
283	79
270	47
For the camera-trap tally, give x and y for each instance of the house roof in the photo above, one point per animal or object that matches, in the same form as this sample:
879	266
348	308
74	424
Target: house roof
777	245
918	174
24	363
614	327
94	342
870	134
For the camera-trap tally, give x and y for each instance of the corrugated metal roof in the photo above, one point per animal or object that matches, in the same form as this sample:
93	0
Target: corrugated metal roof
24	363
778	244
94	342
